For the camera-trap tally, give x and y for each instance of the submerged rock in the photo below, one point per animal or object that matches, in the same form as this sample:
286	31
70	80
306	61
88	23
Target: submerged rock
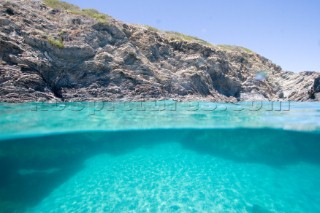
53	54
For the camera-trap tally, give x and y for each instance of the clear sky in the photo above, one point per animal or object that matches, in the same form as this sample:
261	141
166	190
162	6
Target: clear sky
285	31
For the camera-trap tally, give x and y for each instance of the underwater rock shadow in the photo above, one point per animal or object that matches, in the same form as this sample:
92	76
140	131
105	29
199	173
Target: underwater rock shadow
276	148
32	168
22	190
28	178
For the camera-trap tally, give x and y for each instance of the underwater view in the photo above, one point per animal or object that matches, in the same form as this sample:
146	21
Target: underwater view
160	157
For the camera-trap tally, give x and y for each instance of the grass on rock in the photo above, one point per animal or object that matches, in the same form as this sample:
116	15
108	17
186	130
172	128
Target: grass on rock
92	13
56	42
56	4
180	36
234	48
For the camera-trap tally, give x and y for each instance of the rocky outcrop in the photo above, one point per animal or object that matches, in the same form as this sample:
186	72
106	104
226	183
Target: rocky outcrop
316	85
50	54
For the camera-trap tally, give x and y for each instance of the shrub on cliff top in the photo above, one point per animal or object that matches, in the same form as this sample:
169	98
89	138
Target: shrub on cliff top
96	15
56	4
181	36
234	48
151	28
92	13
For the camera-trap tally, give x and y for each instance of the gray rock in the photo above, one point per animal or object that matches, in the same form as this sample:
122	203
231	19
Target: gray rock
53	55
316	85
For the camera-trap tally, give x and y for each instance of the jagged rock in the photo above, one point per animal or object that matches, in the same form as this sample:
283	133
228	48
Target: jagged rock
76	21
316	85
54	11
49	54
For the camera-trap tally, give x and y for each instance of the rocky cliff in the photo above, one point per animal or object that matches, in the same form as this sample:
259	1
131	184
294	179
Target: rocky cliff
51	51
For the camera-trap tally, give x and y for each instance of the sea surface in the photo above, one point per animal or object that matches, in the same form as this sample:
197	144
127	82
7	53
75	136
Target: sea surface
162	156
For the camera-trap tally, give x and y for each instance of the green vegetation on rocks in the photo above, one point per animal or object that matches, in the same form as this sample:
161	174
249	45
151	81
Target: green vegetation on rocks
103	18
56	4
152	28
177	36
234	48
56	42
180	36
96	15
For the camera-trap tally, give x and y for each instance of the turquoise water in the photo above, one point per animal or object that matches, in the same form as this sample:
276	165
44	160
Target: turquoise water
160	157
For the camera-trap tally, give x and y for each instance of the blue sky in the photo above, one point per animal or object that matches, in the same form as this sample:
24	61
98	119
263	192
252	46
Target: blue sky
285	31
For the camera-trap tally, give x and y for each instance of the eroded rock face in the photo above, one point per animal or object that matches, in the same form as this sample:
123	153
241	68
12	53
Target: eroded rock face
115	61
316	85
